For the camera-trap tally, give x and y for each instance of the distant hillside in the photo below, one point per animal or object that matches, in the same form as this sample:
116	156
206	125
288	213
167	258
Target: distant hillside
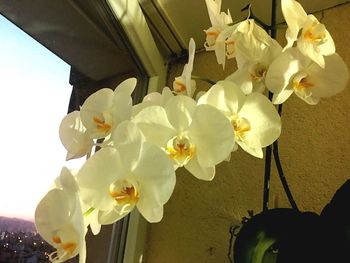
16	225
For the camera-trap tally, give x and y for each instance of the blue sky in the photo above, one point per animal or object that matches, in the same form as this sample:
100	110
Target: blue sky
35	93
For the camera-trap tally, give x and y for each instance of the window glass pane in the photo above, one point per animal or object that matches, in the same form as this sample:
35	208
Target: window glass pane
35	93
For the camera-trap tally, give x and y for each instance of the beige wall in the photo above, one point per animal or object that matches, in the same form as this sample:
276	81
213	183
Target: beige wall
314	149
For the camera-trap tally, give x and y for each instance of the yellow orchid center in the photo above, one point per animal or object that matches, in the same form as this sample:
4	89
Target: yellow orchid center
212	34
180	149
124	193
230	48
101	124
316	33
64	249
301	82
179	86
257	72
240	126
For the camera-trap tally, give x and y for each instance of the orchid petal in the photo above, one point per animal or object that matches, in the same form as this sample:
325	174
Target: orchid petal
155	171
330	80
154	124
128	139
283	69
200	172
74	136
264	119
212	134
179	111
225	96
95	114
295	17
127	86
282	96
96	175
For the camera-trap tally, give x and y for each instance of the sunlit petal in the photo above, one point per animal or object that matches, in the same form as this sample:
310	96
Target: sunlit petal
74	136
226	96
295	17
200	172
154	124
179	111
212	134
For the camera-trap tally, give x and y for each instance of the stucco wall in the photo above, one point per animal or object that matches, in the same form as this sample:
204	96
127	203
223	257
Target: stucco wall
314	149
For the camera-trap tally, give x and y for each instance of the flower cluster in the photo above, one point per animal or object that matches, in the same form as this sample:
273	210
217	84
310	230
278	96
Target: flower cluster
142	146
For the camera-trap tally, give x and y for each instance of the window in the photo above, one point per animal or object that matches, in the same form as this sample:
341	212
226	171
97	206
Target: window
35	91
102	44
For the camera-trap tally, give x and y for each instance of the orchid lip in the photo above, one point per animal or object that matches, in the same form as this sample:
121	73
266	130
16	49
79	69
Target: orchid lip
180	149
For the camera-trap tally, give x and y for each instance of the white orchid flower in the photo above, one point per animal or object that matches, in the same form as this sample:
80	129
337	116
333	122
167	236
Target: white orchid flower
134	174
246	41
196	137
105	109
293	72
74	136
184	84
313	40
255	121
250	75
225	45
219	21
59	220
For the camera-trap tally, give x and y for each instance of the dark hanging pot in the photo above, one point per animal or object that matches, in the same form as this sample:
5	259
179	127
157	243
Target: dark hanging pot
286	235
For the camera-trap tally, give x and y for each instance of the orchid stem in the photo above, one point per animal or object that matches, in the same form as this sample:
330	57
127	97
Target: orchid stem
204	79
282	177
268	156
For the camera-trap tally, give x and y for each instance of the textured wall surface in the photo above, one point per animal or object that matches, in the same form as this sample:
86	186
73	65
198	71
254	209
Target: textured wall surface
314	149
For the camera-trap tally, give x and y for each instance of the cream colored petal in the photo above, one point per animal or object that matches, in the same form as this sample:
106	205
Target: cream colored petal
179	111
283	69
53	211
122	107
328	48
242	79
295	17
252	41
252	147
214	8
212	134
111	216
310	50
154	124
74	136
263	117
92	221
225	95
96	103
151	214
308	98
220	44
166	95
96	176
330	80
67	181
187	71
127	86
156	176
128	139
200	172
282	96
144	104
